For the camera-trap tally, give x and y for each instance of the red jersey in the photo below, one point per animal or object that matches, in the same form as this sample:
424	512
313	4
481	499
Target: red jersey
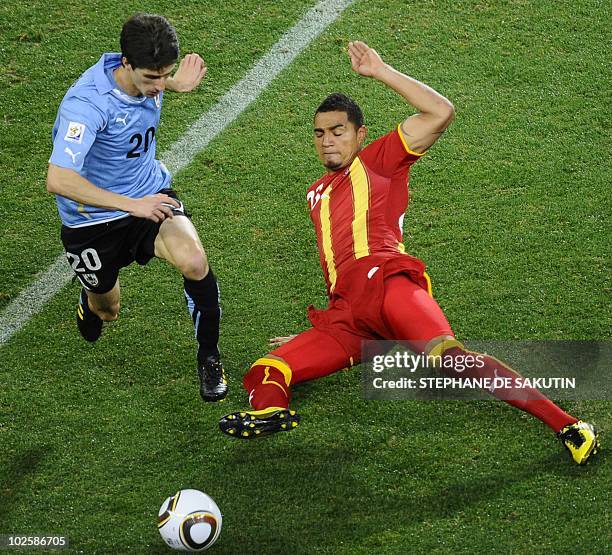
358	211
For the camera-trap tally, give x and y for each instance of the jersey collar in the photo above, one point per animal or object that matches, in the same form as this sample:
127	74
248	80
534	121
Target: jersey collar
107	60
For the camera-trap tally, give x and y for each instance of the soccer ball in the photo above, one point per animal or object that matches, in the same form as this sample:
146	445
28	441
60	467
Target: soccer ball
189	521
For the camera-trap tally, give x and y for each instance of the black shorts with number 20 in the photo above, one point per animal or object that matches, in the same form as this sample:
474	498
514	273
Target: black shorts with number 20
97	252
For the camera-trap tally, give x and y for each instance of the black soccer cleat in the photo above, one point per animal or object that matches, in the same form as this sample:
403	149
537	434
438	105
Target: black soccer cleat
258	423
581	440
89	324
213	385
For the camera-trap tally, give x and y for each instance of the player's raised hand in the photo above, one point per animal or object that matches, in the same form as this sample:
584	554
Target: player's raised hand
365	60
153	207
189	74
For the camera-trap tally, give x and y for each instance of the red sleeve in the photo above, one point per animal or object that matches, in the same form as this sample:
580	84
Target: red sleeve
388	153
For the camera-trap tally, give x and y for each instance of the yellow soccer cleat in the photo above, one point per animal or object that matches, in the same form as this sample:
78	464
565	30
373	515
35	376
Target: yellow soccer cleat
259	423
581	440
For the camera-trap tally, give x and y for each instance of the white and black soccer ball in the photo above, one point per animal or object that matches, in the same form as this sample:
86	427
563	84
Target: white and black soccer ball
189	521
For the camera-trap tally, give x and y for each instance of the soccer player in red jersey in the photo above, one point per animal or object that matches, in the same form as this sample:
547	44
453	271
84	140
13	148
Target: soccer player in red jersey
375	289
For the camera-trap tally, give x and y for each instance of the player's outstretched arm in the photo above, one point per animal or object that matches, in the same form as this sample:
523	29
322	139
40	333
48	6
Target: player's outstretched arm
435	112
70	184
189	74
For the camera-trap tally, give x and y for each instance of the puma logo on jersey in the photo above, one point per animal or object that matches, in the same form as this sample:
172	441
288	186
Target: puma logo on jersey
123	119
72	155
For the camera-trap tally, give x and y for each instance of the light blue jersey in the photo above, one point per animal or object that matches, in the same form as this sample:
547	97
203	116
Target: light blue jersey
108	137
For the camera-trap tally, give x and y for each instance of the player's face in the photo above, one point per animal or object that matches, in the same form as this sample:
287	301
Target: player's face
149	82
336	139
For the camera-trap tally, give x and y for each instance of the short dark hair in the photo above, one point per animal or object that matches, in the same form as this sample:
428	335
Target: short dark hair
338	102
149	41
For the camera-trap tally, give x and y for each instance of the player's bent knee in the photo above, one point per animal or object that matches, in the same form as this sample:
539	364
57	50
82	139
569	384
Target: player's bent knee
193	264
194	269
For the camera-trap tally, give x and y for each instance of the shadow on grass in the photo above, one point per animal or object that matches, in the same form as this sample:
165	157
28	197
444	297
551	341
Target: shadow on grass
320	491
290	498
307	499
15	472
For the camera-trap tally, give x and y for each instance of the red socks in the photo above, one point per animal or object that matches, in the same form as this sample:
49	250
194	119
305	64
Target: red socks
268	384
527	399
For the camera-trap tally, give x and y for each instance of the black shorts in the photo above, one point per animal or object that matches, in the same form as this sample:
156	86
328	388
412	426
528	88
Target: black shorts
97	252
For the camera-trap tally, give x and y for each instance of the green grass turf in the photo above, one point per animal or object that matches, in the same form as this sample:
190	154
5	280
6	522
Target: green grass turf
510	210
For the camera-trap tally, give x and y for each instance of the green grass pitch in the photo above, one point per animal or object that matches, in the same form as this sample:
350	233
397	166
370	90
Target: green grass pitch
510	210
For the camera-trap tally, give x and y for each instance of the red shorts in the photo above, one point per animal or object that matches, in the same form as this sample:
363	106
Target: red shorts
376	298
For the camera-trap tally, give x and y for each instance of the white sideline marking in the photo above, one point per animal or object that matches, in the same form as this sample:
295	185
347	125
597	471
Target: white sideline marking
32	299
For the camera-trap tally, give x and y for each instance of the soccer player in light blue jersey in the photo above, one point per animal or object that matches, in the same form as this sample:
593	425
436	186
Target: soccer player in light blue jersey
115	199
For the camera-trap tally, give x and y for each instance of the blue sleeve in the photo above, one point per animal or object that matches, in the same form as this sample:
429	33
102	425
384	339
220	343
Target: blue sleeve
78	121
